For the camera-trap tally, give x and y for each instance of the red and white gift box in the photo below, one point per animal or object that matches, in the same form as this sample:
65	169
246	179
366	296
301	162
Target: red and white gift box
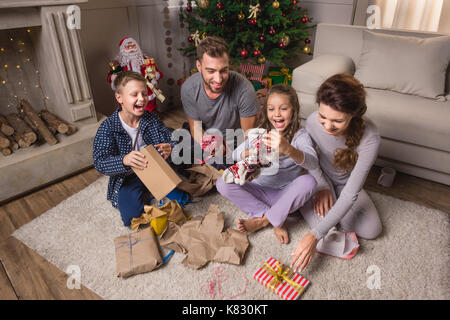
282	288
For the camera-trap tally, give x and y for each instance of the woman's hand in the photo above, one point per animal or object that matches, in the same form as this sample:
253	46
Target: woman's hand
164	149
135	159
323	201
304	252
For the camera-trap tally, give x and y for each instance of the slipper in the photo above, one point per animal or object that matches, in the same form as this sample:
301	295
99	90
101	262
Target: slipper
343	245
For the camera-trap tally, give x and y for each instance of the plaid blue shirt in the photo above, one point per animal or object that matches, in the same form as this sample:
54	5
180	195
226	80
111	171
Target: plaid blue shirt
112	143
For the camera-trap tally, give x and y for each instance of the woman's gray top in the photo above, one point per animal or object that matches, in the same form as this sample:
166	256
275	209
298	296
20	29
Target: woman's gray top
352	181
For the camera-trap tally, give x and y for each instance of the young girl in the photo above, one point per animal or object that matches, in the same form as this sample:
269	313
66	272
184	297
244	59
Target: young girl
119	139
269	198
348	145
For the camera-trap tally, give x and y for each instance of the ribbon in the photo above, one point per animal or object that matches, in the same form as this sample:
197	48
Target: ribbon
130	245
253	11
196	37
283	72
279	274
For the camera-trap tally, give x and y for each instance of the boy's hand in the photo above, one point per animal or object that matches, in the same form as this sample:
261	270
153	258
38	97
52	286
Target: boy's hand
135	159
164	149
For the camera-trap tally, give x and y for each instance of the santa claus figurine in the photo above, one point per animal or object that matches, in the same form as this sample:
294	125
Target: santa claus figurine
132	58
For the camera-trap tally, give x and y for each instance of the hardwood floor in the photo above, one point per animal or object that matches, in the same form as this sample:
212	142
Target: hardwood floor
26	275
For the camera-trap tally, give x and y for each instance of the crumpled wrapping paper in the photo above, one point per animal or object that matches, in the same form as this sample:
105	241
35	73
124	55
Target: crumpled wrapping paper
158	216
202	179
202	239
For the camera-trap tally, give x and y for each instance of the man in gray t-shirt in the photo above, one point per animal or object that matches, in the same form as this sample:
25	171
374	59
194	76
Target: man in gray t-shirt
215	97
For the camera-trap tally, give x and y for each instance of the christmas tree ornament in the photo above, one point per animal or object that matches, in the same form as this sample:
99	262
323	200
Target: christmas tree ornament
281	45
261	60
189	7
252	21
272	31
241	16
254	11
220	6
196	37
275	4
262	38
308	40
256	52
285	39
306	49
244	53
203	35
222	20
305	19
203	4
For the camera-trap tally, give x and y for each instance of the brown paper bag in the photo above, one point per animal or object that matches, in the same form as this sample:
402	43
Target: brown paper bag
136	252
202	178
203	240
159	178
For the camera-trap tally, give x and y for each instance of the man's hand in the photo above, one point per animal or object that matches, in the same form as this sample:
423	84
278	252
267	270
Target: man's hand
135	159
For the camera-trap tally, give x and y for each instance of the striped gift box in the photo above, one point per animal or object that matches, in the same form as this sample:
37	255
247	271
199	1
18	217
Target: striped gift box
252	72
279	285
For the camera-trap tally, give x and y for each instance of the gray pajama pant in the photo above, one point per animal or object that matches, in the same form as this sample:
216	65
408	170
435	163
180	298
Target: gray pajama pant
362	218
257	200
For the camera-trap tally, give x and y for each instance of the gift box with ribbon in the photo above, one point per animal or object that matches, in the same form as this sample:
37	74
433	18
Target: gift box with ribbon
137	252
280	75
279	278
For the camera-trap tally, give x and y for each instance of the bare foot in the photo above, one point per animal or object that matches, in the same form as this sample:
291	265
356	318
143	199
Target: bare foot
281	234
251	225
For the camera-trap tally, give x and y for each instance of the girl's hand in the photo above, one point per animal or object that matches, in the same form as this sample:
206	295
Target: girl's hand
164	149
135	159
323	201
304	252
276	140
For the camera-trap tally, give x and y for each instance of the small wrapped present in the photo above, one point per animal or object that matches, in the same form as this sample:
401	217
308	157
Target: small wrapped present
280	75
284	282
137	252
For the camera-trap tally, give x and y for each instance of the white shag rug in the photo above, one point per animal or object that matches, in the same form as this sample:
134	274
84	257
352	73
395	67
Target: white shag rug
410	259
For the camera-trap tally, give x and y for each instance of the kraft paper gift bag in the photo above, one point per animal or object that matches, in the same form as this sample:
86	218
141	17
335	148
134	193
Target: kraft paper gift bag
137	252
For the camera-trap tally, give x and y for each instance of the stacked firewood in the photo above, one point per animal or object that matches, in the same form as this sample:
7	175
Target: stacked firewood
27	127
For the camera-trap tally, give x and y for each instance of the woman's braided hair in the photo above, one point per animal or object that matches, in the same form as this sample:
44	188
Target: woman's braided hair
344	93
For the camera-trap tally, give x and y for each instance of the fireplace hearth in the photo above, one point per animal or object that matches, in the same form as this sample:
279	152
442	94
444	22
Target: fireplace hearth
56	81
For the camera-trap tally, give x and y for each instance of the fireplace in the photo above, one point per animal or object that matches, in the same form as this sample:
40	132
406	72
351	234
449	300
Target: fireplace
42	61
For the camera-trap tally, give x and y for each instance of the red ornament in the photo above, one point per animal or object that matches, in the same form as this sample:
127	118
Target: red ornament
244	53
222	20
189	8
308	40
305	19
220	6
294	2
272	32
282	45
252	21
262	38
256	53
190	39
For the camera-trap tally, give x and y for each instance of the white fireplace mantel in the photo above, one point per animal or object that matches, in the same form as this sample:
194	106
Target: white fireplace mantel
65	81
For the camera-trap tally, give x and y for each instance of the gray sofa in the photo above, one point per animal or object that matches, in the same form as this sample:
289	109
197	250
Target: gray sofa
415	130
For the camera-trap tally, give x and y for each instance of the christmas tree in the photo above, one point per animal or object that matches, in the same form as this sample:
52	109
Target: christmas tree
256	30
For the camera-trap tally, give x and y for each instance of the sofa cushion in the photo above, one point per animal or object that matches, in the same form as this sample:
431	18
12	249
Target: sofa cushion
308	77
404	64
410	118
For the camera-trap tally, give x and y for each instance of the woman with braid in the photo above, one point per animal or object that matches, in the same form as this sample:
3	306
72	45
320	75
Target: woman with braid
348	146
